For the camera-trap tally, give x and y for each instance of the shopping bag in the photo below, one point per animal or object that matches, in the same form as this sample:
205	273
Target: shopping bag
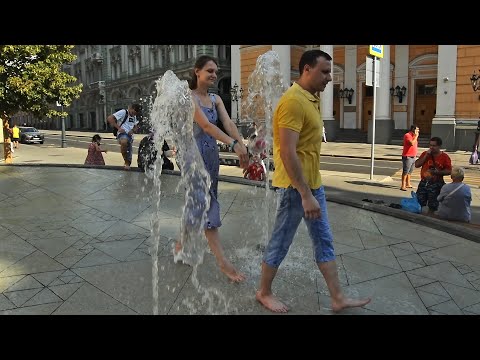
411	204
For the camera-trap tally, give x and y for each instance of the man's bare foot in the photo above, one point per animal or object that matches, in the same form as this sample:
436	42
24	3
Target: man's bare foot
271	303
348	303
232	273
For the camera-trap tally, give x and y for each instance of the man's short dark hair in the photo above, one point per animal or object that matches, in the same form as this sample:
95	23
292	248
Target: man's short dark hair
310	57
137	108
413	127
437	140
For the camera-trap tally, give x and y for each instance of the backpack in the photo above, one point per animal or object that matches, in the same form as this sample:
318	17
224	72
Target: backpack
115	130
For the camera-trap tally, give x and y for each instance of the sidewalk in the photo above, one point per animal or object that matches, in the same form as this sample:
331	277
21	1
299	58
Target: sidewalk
353	150
70	247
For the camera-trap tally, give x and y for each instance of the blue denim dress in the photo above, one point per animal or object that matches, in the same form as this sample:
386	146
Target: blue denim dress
207	145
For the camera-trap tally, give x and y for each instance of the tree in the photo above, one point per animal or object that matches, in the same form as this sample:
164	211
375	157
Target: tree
32	79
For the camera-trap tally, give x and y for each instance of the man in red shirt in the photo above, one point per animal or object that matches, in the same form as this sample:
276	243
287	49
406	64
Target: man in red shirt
409	154
435	164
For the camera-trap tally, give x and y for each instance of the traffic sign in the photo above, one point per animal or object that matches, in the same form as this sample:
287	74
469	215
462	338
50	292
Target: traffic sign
376	50
369	72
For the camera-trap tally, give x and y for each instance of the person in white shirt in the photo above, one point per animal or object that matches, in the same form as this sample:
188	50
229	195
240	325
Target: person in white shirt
125	121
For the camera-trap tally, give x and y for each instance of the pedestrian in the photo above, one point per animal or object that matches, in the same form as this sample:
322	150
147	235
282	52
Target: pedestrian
15	135
455	198
209	108
125	124
409	155
435	164
297	139
94	156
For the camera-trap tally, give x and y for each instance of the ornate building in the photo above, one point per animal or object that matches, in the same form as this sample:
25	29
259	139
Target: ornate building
114	76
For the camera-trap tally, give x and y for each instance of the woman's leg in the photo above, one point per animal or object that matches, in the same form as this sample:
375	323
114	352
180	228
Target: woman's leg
223	263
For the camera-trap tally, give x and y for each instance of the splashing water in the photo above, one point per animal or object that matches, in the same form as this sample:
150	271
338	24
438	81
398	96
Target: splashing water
265	87
172	115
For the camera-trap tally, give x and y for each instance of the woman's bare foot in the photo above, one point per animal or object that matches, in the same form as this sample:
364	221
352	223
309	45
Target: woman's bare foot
403	189
178	255
232	273
348	303
409	186
178	247
271	303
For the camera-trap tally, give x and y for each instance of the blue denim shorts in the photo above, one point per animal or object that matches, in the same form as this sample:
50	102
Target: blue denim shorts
289	214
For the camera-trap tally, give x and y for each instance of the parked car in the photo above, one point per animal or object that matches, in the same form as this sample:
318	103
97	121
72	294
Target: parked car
29	134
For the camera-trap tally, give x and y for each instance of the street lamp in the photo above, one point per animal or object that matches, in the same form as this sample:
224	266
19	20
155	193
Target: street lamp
64	140
236	97
475	81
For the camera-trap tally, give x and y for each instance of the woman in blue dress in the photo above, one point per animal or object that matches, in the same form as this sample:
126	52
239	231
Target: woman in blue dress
208	109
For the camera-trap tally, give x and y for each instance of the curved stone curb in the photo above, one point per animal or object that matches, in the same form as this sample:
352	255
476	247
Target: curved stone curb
457	229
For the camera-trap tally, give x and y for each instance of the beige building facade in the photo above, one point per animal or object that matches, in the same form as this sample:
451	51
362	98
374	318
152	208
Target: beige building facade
426	85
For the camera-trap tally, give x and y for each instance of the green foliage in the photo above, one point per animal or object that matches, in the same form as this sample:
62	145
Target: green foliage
32	80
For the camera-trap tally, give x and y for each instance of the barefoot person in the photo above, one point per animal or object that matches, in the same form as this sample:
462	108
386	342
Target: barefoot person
297	138
209	108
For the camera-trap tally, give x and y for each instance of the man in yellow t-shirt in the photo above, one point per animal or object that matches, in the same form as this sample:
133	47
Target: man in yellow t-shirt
297	138
15	135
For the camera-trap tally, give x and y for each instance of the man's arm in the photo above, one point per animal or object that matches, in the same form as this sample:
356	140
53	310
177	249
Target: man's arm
291	162
134	130
112	120
414	138
447	170
442	194
421	160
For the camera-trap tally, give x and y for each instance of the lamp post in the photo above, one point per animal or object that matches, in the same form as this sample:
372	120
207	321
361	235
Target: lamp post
475	81
236	97
398	92
346	94
64	140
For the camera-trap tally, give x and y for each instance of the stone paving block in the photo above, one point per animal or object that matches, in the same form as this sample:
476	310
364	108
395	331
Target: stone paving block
28	282
20	297
447	308
43	297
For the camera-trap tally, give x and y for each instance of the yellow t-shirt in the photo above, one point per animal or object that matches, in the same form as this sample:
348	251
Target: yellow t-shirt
299	111
16	132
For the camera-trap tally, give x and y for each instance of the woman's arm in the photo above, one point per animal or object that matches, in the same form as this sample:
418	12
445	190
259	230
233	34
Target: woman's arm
228	124
219	135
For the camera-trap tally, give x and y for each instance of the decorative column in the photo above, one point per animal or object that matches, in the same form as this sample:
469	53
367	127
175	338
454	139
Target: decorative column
326	101
383	121
350	82
283	52
443	124
401	79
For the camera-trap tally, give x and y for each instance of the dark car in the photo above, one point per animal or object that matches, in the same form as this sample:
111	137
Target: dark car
29	134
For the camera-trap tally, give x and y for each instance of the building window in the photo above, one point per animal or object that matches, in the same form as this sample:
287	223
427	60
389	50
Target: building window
186	54
427	89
